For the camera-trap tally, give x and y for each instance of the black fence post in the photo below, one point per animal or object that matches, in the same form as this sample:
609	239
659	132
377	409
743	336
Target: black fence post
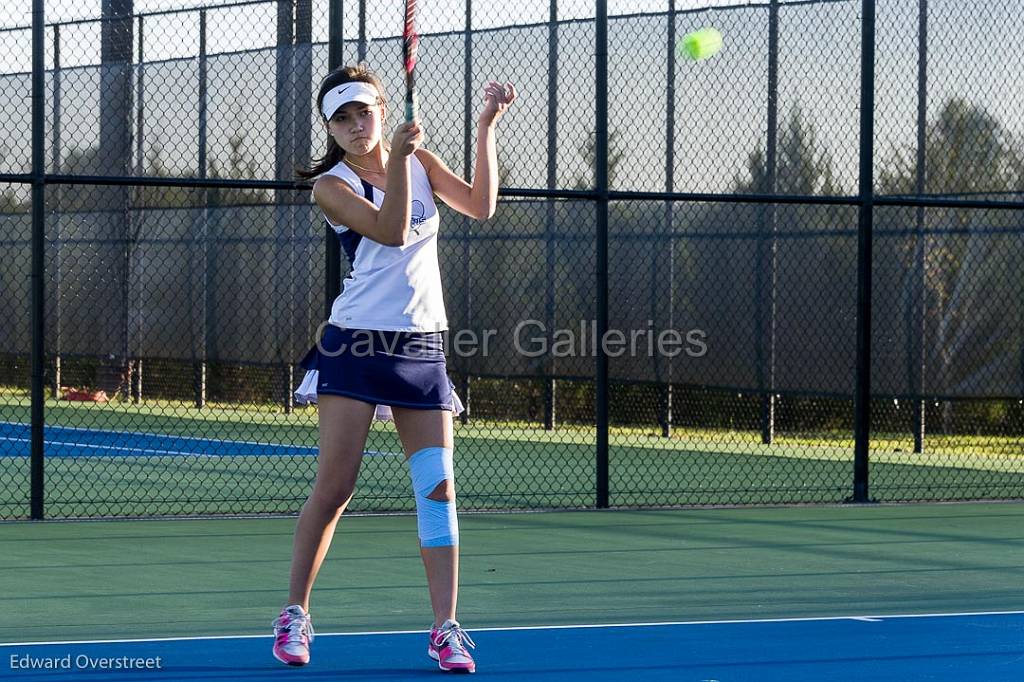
36	495
300	270
601	161
285	121
140	104
665	390
140	90
55	164
918	328
114	159
551	275
768	260
465	389
200	341
362	30
862	398
131	232
332	249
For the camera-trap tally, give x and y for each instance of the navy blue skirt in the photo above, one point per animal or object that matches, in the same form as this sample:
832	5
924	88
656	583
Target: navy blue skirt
399	369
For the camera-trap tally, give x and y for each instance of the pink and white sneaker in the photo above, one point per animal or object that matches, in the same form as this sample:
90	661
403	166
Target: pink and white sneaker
293	631
448	647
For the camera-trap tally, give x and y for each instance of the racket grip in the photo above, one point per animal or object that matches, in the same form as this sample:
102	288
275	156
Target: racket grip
411	108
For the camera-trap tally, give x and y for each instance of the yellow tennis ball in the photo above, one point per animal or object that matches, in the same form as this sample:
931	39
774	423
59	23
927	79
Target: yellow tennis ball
700	44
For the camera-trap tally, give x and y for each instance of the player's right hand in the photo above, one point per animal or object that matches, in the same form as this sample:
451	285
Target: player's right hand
407	138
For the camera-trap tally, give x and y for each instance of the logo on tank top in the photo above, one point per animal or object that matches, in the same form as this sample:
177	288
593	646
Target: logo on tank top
417	218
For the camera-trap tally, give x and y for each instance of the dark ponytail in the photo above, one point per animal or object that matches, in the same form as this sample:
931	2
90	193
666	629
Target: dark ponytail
334	154
330	159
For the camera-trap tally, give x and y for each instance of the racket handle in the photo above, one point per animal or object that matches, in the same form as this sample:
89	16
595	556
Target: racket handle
411	107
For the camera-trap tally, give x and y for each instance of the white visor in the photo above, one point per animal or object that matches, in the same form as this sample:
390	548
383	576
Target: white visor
354	91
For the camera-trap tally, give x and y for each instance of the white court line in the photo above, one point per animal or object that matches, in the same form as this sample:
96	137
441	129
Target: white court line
875	618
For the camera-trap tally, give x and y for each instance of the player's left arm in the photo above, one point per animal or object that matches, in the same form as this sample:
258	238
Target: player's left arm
479	199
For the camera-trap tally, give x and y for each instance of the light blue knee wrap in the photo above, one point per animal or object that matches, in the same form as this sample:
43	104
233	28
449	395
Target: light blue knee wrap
437	523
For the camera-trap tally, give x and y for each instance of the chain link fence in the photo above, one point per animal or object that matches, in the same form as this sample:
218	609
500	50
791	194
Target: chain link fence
708	215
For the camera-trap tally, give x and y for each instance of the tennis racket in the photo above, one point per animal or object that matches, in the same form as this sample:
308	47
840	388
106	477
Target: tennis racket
410	44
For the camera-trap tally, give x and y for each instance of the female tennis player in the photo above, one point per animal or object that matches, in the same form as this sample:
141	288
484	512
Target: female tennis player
383	343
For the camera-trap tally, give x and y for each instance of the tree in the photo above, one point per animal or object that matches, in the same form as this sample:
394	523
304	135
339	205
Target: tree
968	275
588	151
801	167
812	272
967	149
150	196
239	166
10	202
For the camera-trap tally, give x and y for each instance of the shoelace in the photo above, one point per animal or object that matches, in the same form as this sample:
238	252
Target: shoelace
296	626
457	638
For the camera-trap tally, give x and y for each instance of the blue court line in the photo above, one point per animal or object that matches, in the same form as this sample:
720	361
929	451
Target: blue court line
64	441
986	647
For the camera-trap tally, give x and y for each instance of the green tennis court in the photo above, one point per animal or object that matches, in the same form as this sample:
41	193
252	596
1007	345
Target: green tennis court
221	577
109	580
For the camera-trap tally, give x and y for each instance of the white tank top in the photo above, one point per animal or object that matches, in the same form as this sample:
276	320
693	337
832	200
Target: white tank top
392	288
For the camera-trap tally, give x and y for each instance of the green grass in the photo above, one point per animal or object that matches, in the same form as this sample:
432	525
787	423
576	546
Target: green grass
502	465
